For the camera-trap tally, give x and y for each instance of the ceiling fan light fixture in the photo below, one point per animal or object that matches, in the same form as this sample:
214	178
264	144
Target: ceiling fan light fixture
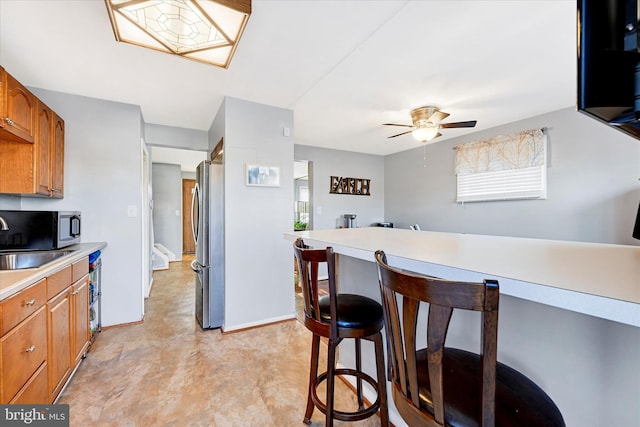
425	133
203	30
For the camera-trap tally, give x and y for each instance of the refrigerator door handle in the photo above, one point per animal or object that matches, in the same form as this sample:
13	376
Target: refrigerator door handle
195	266
194	196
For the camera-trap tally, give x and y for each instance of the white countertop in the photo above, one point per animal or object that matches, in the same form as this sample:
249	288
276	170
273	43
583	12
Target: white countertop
601	274
12	281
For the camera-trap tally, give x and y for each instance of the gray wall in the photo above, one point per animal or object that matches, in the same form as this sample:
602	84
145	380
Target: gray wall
102	179
593	187
167	206
329	208
170	136
258	261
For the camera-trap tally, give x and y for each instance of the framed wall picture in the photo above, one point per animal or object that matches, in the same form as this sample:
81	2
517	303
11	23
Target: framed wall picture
262	176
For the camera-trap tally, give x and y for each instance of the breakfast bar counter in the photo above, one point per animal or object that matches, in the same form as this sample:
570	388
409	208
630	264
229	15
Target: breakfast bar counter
569	311
601	280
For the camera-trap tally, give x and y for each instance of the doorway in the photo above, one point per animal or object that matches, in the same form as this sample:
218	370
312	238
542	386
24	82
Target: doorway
302	216
188	242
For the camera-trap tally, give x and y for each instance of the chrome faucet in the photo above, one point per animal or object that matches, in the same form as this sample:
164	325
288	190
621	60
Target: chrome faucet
3	224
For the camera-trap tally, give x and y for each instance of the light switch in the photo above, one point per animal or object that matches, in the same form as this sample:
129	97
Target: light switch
177	212
319	210
132	211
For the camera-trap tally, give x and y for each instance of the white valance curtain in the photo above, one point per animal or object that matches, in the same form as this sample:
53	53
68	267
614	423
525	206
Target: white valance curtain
503	152
502	168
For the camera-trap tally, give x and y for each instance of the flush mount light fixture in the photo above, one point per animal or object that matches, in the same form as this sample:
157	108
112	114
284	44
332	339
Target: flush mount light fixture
425	132
203	30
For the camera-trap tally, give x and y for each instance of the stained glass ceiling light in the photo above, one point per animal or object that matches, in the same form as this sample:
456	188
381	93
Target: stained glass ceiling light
203	30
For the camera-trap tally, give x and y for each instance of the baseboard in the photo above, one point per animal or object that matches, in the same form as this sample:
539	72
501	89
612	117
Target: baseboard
244	326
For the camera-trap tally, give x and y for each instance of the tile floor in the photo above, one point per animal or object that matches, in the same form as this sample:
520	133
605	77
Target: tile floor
166	371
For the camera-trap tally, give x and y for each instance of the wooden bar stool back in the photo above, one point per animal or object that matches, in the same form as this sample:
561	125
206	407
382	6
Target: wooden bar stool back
439	385
336	317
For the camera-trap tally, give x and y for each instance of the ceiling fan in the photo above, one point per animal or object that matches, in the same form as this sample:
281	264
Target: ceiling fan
426	123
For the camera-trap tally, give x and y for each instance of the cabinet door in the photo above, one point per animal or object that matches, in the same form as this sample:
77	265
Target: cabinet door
59	343
23	350
43	146
18	110
80	310
57	158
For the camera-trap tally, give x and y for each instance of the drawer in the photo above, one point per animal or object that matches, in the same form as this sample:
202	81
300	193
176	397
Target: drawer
58	282
23	350
35	391
20	306
79	269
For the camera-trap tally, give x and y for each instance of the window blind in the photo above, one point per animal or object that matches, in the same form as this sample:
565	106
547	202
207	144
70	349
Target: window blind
504	167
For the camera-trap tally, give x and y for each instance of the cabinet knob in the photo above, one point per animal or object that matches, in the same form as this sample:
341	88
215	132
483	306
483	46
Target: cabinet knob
9	121
31	349
30	302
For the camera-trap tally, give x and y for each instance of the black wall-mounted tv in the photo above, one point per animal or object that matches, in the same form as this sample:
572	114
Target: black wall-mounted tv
636	228
609	62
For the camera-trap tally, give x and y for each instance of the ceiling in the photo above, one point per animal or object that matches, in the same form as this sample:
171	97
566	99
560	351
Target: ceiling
343	67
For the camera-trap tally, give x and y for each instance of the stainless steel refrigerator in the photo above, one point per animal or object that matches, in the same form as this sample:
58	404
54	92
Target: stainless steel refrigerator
207	225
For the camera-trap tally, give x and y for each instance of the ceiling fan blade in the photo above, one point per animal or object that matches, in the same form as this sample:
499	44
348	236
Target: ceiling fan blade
396	124
403	133
437	116
469	124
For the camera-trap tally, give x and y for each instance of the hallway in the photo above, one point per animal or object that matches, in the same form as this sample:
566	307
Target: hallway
166	371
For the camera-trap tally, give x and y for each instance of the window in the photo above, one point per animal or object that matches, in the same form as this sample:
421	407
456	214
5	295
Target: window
504	167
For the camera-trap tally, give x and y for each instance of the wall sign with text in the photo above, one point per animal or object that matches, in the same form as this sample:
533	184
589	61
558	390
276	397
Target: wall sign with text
344	185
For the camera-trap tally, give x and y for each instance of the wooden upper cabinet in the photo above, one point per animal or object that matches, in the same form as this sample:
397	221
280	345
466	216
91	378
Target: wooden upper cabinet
44	143
49	147
31	143
17	110
57	158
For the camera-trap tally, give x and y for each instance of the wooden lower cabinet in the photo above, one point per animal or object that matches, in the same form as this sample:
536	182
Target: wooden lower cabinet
35	390
80	333
59	341
24	349
44	334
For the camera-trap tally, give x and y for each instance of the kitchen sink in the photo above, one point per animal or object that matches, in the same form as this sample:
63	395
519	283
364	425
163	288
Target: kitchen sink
20	260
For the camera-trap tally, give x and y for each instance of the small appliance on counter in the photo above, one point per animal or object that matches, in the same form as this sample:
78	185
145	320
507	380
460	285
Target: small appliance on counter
39	230
350	220
384	224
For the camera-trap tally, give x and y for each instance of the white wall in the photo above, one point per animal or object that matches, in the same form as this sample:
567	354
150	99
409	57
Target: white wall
167	207
329	208
258	261
102	179
593	187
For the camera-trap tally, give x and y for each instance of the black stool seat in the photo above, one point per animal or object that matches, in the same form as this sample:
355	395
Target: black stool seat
336	317
519	401
354	311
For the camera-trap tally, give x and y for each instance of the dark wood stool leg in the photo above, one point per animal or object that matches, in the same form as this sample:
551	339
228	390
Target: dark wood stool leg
331	366
313	374
359	369
382	381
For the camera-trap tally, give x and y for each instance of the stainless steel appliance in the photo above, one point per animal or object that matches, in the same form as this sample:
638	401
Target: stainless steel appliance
39	230
350	220
207	225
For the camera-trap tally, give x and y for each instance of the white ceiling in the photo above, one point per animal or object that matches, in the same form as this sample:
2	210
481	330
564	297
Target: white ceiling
343	67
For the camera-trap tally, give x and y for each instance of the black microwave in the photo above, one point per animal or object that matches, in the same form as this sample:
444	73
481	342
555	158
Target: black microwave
39	230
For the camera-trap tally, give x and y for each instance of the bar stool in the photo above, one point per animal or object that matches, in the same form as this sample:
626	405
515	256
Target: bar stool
438	385
336	317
